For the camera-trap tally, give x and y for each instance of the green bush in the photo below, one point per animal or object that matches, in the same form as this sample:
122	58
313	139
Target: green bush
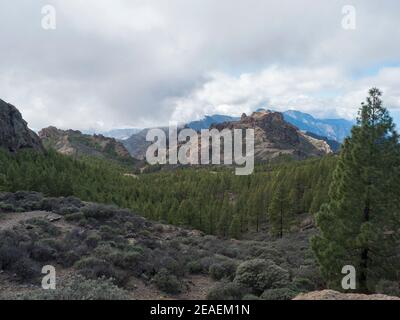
227	291
390	288
79	288
224	269
166	282
26	269
250	297
194	267
94	268
260	275
279	294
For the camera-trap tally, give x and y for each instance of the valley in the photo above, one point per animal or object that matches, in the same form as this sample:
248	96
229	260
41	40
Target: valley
116	228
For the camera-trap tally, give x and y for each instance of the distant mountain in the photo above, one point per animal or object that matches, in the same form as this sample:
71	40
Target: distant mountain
137	144
207	121
333	129
119	134
335	146
75	143
14	132
275	137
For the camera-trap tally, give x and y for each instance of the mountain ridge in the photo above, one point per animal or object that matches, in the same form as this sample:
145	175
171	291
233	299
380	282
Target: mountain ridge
14	132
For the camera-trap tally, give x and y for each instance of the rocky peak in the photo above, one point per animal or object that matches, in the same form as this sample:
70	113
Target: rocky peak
14	132
74	142
274	136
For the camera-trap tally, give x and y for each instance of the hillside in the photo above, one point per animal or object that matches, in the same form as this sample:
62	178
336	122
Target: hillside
14	132
275	137
75	143
334	129
146	260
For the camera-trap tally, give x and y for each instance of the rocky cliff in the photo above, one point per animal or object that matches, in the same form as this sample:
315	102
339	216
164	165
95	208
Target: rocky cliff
14	132
74	143
275	137
334	295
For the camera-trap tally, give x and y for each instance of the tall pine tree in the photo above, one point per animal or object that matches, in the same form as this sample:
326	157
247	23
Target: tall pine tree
360	223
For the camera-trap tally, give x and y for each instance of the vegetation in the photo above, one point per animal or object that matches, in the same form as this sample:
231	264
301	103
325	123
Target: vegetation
360	222
214	201
99	242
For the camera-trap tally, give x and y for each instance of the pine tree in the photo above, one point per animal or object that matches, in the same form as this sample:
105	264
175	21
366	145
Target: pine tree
360	223
234	228
279	212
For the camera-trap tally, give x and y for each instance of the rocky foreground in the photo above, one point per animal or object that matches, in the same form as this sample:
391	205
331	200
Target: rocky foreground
334	295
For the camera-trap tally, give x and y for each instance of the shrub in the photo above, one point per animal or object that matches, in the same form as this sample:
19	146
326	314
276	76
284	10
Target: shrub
260	275
227	291
93	240
304	284
46	228
166	282
93	268
250	297
279	294
9	254
224	269
98	212
76	216
194	267
6	207
26	269
79	288
43	252
388	287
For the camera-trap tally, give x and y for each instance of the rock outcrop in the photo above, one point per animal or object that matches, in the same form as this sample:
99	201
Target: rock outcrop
334	295
275	137
75	143
14	132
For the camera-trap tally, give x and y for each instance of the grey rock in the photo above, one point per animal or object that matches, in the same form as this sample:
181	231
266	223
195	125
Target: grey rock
14	132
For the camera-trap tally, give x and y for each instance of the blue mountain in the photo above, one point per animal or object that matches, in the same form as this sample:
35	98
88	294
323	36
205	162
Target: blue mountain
334	129
207	121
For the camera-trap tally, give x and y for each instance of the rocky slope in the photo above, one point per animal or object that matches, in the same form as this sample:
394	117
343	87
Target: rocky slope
275	137
137	144
92	242
333	129
14	132
334	295
74	143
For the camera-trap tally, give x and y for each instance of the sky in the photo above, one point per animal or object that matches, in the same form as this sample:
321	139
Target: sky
133	63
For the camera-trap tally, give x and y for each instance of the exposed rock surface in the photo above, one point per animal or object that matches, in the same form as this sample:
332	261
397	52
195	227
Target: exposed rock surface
274	136
334	295
14	132
72	142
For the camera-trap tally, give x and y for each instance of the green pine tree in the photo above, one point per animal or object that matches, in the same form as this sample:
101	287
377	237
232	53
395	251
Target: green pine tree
279	212
360	223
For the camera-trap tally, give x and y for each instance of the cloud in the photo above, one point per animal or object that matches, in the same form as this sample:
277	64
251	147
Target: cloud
141	63
324	92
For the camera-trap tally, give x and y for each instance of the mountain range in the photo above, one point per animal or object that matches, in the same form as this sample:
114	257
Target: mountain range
332	129
297	134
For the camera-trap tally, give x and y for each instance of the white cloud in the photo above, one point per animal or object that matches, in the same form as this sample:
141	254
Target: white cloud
324	92
137	62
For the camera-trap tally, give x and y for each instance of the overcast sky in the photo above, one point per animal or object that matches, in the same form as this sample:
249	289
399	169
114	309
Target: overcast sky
117	63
